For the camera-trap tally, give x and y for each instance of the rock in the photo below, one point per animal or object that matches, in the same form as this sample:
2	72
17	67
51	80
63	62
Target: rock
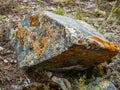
59	43
107	85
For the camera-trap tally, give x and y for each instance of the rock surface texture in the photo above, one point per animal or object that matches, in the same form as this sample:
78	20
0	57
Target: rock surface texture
59	43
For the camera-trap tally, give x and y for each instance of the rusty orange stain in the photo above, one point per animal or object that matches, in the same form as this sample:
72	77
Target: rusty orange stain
106	44
33	21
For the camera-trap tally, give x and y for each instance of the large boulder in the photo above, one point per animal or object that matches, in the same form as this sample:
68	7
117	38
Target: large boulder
57	42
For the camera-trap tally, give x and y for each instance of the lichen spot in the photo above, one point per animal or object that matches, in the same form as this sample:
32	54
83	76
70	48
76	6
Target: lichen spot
30	45
17	25
60	31
52	34
80	41
38	50
106	44
33	20
21	34
33	36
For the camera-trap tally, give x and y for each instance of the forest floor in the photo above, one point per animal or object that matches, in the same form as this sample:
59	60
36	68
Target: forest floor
12	78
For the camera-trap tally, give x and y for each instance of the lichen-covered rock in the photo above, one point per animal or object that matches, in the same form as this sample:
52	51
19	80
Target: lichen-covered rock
57	42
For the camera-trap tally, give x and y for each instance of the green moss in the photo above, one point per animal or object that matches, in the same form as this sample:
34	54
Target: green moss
97	70
67	1
64	1
82	85
117	10
79	15
99	12
59	11
41	9
2	16
39	0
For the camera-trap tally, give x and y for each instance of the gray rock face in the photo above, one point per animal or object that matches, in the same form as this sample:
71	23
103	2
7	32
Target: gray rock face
57	42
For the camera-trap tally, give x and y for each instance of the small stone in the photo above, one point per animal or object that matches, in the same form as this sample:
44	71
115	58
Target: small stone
107	85
8	78
15	87
1	48
13	61
60	82
49	74
27	81
5	61
25	1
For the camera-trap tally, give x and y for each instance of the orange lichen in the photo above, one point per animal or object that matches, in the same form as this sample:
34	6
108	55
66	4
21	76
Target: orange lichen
106	44
33	35
60	31
52	35
38	50
93	44
40	46
30	45
80	41
21	34
33	21
48	18
16	26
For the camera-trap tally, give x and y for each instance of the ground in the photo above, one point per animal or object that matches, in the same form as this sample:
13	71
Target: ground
12	77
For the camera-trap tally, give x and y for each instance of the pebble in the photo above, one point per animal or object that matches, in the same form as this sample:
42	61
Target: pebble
15	87
5	61
1	48
25	1
107	85
60	82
